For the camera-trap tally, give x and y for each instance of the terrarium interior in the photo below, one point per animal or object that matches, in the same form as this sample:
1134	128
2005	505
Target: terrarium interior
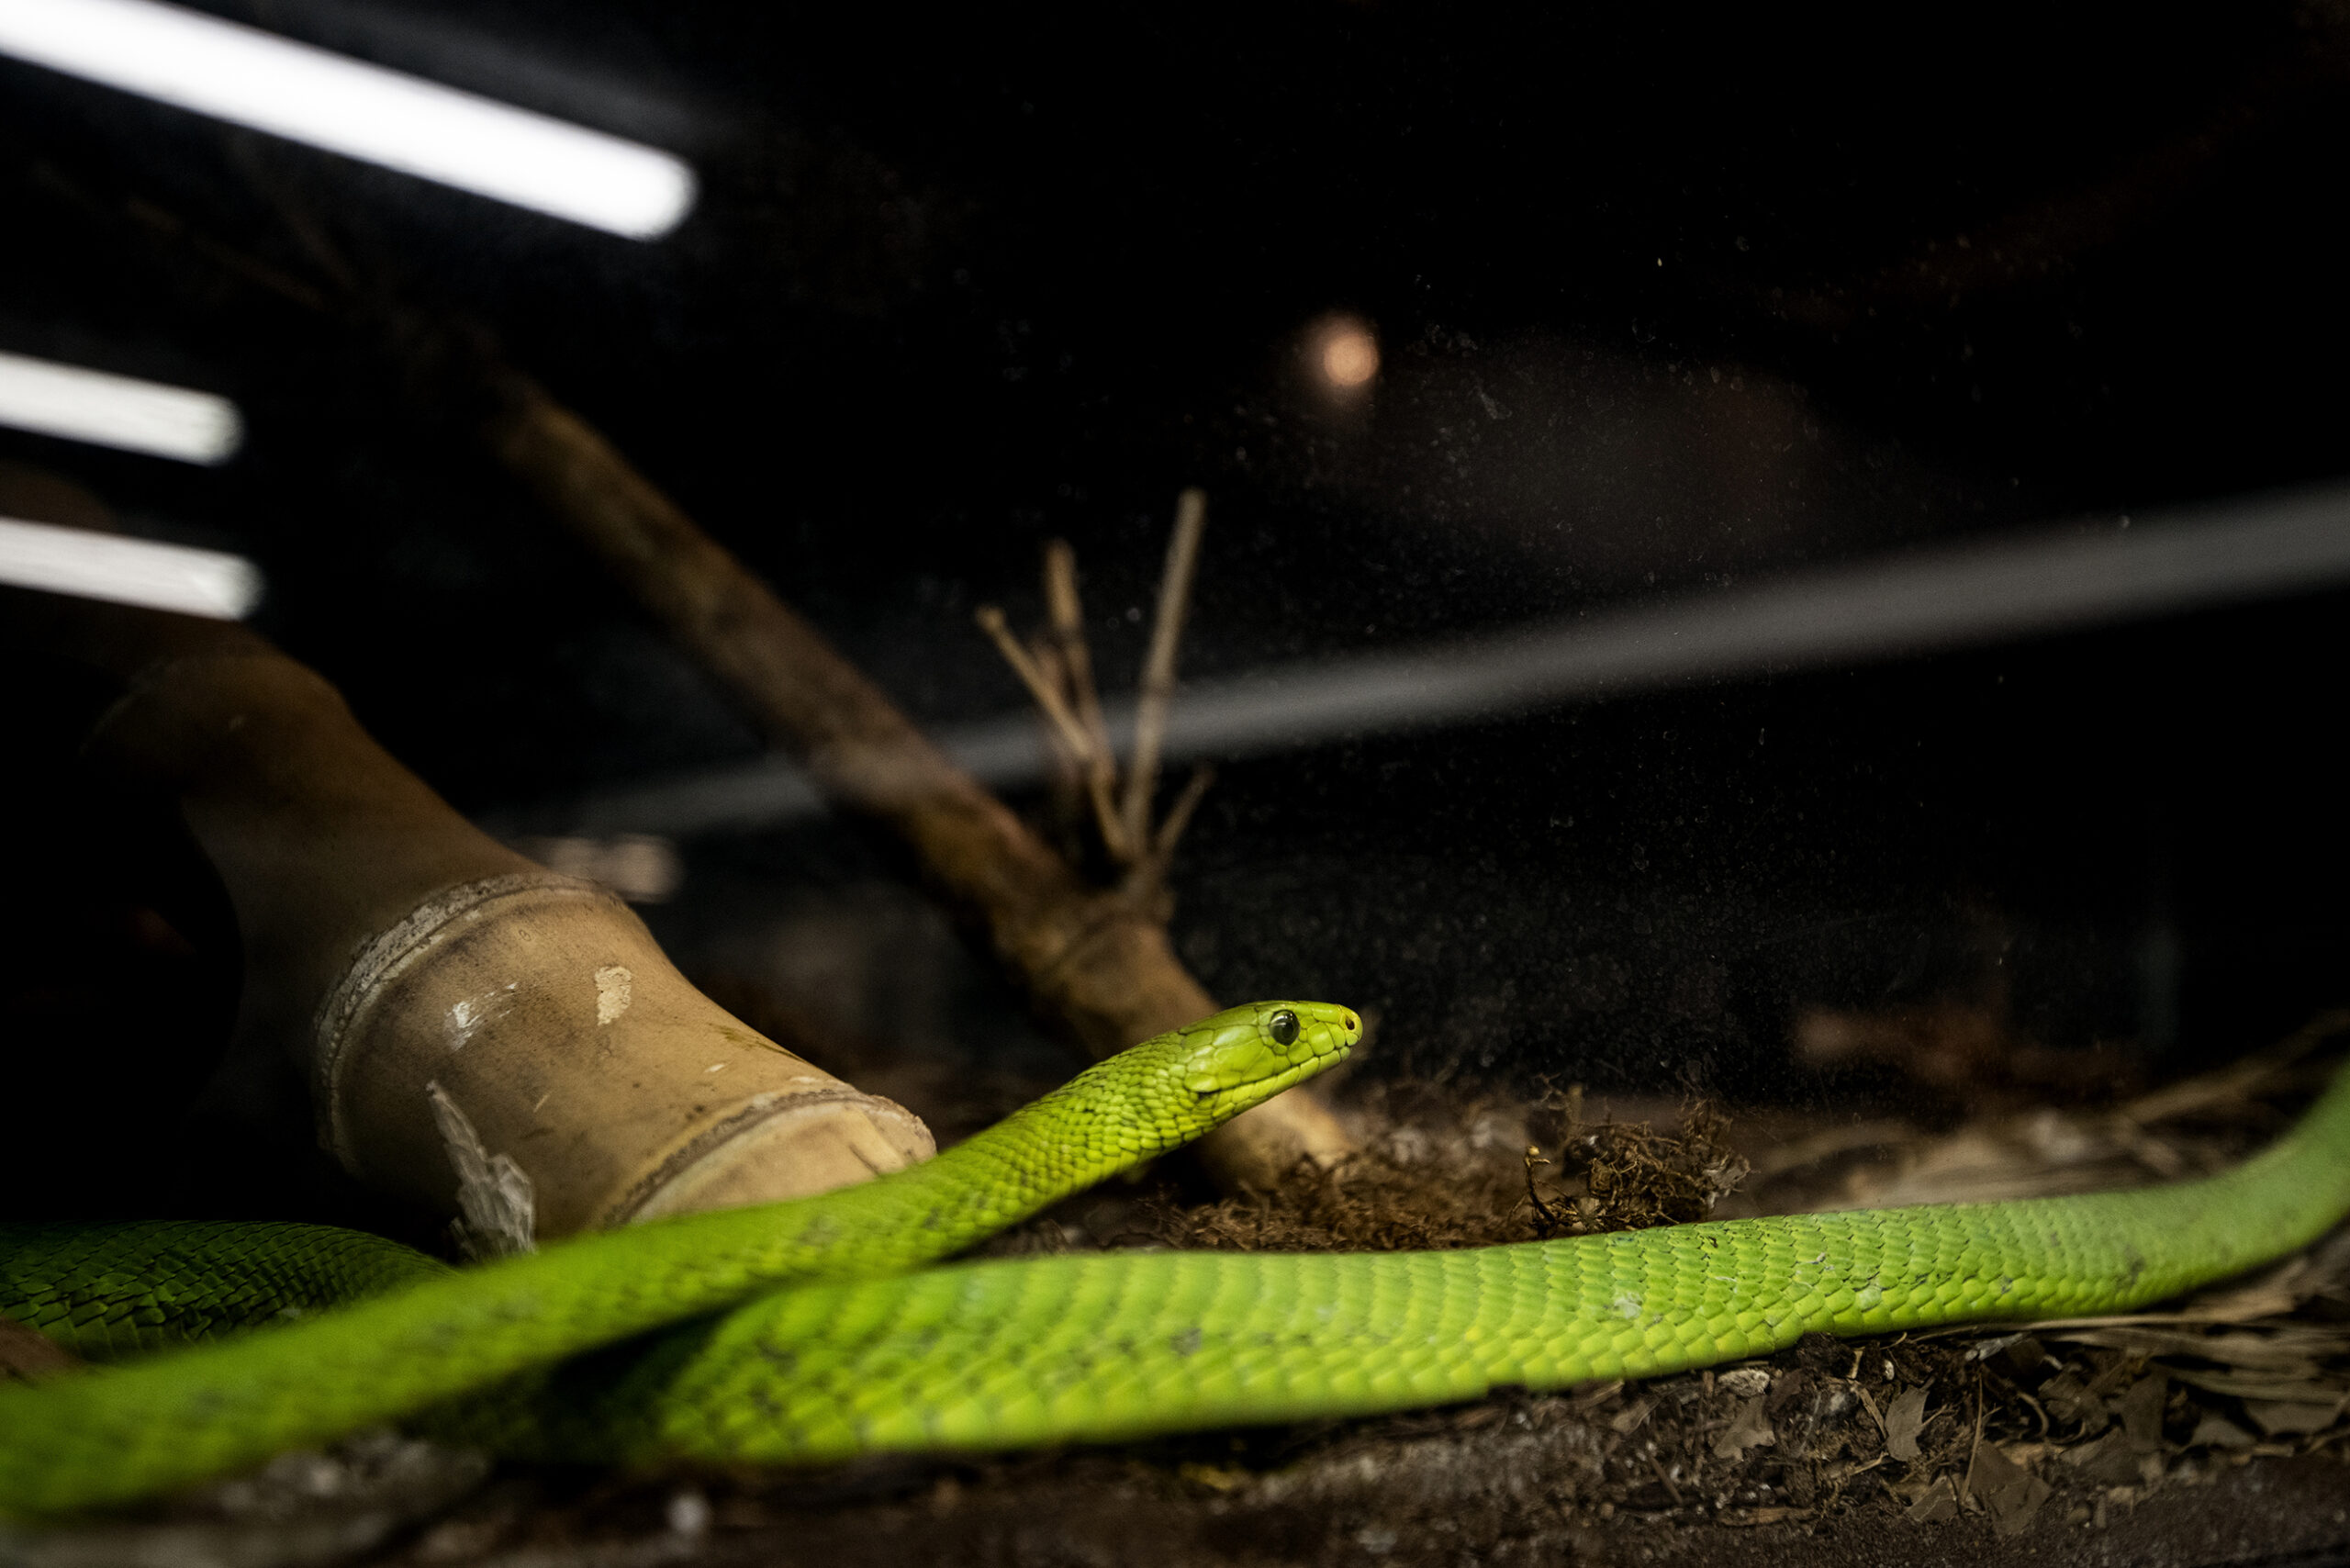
1478	335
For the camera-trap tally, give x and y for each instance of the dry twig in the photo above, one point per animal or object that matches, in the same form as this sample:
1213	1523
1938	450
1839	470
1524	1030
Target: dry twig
1068	617
1058	670
1158	694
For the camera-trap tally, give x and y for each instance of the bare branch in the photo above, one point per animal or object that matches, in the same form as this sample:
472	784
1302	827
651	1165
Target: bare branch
1069	636
1179	816
1158	692
1066	726
1032	676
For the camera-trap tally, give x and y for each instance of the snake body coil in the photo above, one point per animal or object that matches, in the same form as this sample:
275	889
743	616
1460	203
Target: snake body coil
181	1417
853	1355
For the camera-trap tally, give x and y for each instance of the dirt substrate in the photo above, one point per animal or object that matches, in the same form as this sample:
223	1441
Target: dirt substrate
1509	1482
2217	1431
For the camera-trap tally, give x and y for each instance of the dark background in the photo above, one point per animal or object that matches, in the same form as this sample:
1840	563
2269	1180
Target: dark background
1664	299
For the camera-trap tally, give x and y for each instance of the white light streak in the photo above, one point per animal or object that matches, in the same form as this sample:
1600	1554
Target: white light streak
1962	596
252	78
115	410
209	583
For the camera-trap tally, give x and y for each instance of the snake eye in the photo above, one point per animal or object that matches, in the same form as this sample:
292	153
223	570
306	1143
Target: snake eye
1282	1027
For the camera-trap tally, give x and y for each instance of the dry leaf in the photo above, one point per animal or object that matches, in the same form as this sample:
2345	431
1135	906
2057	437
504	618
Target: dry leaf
1629	1421
1745	1381
2295	1419
1938	1502
2284	1347
2068	1399
2311	1390
2142	1412
2010	1494
1750	1428
2106	1458
1904	1419
2216	1431
1215	1478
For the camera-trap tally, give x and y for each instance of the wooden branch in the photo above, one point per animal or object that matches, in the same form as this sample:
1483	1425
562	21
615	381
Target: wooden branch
1051	669
1157	693
1092	761
1178	815
1032	674
1069	810
1067	614
1088	958
1146	878
1067	618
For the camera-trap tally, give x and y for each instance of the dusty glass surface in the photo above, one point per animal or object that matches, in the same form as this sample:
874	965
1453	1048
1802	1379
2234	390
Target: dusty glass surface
1642	318
1796	559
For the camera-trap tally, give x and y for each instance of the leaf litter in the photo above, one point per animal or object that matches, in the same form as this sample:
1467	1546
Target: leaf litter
2074	1421
2002	1437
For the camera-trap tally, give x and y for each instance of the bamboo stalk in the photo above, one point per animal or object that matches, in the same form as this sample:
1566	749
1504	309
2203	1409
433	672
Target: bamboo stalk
381	932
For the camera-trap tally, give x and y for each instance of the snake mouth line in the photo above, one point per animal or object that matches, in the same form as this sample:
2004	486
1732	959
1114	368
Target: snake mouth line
1319	1062
1288	1078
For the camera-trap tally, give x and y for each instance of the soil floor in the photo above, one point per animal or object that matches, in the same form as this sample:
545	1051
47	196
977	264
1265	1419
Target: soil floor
2215	1431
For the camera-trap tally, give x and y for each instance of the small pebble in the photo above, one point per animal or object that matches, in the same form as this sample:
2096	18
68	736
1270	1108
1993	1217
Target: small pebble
689	1513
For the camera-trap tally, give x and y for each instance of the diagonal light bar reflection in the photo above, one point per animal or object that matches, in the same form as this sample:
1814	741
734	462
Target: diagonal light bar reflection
117	411
121	570
251	78
1889	609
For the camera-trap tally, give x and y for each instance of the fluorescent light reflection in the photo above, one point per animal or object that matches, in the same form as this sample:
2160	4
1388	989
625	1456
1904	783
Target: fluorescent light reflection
1966	596
257	79
209	583
117	411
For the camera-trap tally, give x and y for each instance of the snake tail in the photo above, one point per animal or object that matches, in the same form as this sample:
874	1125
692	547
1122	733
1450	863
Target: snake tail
106	1291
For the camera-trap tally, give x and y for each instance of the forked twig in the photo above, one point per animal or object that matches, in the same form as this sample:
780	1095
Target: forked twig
1549	1218
1178	815
1100	765
1032	676
1090	754
1157	693
1068	614
1058	669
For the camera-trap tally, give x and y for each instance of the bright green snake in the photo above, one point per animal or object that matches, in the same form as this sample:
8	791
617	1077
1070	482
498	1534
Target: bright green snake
800	1336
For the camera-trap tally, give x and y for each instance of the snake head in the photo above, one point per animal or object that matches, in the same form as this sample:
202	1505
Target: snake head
1246	1055
1171	1087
